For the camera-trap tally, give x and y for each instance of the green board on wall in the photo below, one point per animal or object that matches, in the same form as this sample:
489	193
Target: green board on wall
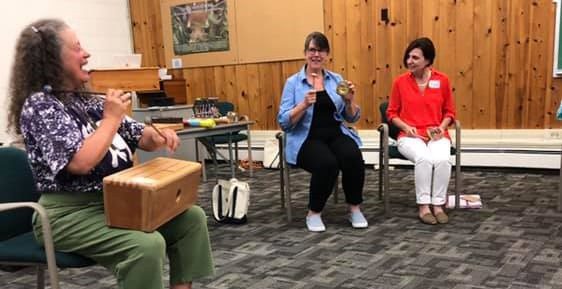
558	43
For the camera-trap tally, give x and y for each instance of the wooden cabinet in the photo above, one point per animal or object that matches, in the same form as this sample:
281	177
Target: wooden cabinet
130	79
144	79
177	89
177	86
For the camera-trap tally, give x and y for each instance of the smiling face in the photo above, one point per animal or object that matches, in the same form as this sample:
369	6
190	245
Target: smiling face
74	58
416	61
315	56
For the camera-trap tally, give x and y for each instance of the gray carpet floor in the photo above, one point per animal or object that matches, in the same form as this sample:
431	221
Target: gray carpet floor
514	241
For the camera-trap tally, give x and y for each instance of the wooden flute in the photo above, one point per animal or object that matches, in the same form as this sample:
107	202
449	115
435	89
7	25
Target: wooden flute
101	95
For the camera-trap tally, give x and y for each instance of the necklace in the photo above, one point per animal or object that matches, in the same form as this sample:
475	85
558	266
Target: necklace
424	83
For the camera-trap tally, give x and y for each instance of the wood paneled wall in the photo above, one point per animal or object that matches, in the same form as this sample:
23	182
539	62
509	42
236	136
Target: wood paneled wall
498	54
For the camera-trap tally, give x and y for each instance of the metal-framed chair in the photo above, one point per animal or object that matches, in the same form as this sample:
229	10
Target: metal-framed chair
210	143
285	182
386	152
18	200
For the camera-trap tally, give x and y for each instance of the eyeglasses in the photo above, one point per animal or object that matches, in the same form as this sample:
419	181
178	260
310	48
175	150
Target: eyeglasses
313	50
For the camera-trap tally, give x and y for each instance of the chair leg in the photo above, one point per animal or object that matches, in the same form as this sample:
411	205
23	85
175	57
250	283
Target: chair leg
458	175
282	183
387	211
560	186
381	180
335	192
216	165
203	168
381	167
212	151
458	181
285	183
40	277
236	154
231	157
288	194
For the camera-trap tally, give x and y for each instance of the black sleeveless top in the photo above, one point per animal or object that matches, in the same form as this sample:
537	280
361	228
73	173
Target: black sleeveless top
324	126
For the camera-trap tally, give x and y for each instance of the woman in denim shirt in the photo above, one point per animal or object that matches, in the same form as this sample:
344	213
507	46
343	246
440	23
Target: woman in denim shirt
312	115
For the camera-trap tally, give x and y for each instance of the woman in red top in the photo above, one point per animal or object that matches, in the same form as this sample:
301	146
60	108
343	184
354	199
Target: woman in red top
422	106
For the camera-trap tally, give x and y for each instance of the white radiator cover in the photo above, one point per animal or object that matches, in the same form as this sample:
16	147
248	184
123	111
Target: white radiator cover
487	148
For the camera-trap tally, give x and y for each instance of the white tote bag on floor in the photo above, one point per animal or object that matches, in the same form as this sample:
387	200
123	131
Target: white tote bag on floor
271	154
230	200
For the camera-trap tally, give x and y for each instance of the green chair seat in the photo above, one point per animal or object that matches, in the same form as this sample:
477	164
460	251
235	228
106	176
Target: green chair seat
24	249
223	138
17	243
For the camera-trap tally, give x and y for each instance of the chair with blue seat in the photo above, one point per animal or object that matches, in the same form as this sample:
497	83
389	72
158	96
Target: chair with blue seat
211	142
18	200
389	131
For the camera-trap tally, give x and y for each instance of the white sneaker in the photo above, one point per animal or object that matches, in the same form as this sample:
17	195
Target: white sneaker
357	220
314	223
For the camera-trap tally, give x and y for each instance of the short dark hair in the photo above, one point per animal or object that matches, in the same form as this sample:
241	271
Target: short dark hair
425	45
319	40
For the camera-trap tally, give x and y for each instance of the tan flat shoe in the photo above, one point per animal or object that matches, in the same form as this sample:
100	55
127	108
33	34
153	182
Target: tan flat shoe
442	218
428	219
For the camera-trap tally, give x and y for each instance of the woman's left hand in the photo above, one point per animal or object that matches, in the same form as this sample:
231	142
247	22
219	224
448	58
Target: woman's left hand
170	139
349	97
437	133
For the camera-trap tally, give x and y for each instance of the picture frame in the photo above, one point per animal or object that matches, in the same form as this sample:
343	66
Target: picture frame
199	32
557	63
257	31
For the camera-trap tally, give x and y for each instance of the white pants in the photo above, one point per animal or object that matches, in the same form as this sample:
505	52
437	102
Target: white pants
430	160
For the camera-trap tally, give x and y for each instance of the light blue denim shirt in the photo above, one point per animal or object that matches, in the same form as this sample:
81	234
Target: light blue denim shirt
294	92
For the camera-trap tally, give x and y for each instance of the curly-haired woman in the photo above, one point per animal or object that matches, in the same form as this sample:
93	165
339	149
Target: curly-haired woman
73	140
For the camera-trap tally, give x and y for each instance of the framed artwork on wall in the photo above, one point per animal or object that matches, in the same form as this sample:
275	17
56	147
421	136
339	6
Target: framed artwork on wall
200	27
199	32
221	32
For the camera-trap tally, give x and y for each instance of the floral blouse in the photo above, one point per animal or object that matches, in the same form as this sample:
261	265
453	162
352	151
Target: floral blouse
54	131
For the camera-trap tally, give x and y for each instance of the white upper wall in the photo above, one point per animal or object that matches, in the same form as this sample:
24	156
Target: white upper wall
103	27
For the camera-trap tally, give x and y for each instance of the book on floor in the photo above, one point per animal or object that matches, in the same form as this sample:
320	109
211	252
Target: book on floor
472	201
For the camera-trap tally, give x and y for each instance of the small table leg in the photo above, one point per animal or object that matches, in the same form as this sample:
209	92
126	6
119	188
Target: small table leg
230	158
250	151
203	171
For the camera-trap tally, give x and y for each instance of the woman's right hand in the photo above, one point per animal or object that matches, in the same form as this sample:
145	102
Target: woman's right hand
96	145
116	104
310	98
410	131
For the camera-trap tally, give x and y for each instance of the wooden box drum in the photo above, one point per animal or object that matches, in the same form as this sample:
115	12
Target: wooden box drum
148	195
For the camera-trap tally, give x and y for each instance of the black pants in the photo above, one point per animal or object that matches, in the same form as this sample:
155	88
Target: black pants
324	159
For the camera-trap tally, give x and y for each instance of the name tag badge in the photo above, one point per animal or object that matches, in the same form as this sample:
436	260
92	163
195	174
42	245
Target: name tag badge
434	84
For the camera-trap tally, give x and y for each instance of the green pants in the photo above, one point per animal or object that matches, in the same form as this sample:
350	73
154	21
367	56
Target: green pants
135	257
